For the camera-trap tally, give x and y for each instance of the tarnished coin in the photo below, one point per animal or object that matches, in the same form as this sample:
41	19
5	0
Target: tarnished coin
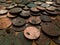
51	8
58	2
34	9
38	3
25	14
44	13
18	21
35	20
31	32
5	22
56	40
15	11
43	40
40	8
25	8
3	1
23	40
45	18
50	29
18	1
45	5
30	5
58	8
21	5
2	12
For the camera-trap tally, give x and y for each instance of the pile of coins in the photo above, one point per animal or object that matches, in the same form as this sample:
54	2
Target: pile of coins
23	22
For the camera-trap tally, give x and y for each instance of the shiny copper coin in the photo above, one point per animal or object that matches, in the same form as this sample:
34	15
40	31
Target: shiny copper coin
49	2
35	20
5	22
50	29
31	32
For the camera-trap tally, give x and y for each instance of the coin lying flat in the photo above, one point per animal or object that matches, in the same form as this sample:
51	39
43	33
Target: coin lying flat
25	14
18	21
25	8
3	12
49	2
50	29
43	40
45	18
35	20
15	10
23	40
38	3
31	32
5	22
21	5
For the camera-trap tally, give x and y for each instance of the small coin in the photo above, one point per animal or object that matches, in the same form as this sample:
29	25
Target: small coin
50	29
18	21
21	5
31	32
25	8
35	20
49	2
5	22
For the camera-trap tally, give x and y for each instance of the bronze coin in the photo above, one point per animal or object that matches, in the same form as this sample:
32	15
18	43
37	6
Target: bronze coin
18	21
40	8
49	2
34	9
21	5
25	8
25	14
31	32
43	40
50	29
45	18
38	3
15	11
58	2
35	20
51	8
5	22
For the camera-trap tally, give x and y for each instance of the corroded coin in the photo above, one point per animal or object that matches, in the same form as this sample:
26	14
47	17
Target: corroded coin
38	3
35	20
45	18
18	21
15	11
21	5
2	12
43	40
50	29
31	32
25	14
5	22
51	8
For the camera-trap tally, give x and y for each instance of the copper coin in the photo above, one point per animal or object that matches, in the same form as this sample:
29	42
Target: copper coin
50	29
25	14
43	40
34	9
18	21
5	22
21	5
40	8
58	2
51	8
49	2
45	18
15	10
2	12
35	20
38	3
26	8
31	32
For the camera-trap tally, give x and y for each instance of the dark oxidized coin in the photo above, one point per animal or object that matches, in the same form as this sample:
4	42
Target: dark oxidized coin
15	11
50	29
35	20
23	40
18	21
43	40
45	18
44	13
58	8
3	1
57	40
18	1
58	2
25	14
18	29
31	32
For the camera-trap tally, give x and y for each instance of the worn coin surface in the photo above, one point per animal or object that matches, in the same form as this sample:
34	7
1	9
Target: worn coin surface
5	22
31	32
